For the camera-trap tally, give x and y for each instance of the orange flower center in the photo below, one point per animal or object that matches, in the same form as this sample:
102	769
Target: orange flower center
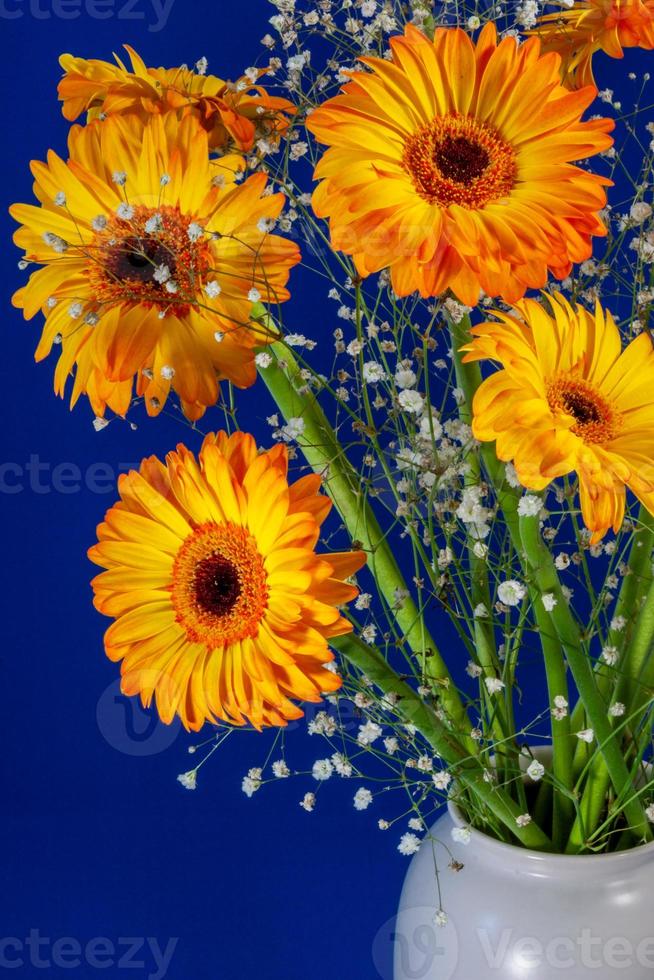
595	419
220	590
460	160
149	258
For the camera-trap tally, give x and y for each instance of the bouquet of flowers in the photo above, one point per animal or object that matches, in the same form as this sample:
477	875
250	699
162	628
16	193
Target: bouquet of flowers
479	418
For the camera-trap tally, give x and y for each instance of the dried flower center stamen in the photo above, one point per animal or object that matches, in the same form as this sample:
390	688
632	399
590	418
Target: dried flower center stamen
217	585
460	160
220	585
595	418
149	258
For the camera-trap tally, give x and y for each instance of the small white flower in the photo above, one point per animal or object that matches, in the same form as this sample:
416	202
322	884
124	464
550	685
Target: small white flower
586	735
308	802
322	769
154	224
530	505
280	770
408	845
535	770
617	710
560	709
75	310
391	745
562	561
171	286
99	223
263	359
373	372
640	211
125	211
164	180
649	813
440	919
523	820
219	337
167	372
195	231
473	669
60	199
342	765
494	685
441	779
99	424
511	593
411	401
618	623
405	378
549	601
254	295
461	835
119	177
252	782
369	733
362	799
610	655
189	780
201	65
161	273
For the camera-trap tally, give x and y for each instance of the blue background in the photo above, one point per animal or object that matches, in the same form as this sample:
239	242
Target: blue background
98	838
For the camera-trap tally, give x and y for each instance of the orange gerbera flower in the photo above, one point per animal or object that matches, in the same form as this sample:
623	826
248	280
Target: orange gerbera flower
149	268
234	114
450	164
569	400
577	32
223	609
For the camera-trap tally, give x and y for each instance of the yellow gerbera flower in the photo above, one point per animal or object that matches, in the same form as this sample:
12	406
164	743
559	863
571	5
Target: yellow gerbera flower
569	400
576	33
234	114
150	268
223	609
450	164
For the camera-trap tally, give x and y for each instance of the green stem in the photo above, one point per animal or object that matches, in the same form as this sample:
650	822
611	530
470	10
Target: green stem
546	580
469	771
321	448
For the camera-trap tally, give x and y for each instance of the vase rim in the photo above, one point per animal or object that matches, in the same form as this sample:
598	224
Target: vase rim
544	753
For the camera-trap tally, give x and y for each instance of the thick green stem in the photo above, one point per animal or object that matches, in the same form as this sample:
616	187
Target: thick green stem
469	771
546	580
324	454
468	377
636	645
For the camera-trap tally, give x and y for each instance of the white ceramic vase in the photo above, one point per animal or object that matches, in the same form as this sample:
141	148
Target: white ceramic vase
515	914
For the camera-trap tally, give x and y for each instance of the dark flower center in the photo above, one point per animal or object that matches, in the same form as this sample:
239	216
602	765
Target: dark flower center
584	409
217	585
137	259
461	159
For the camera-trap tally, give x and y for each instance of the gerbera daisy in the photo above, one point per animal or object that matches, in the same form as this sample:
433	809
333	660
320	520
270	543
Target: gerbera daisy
577	32
150	268
450	164
223	610
234	114
569	400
